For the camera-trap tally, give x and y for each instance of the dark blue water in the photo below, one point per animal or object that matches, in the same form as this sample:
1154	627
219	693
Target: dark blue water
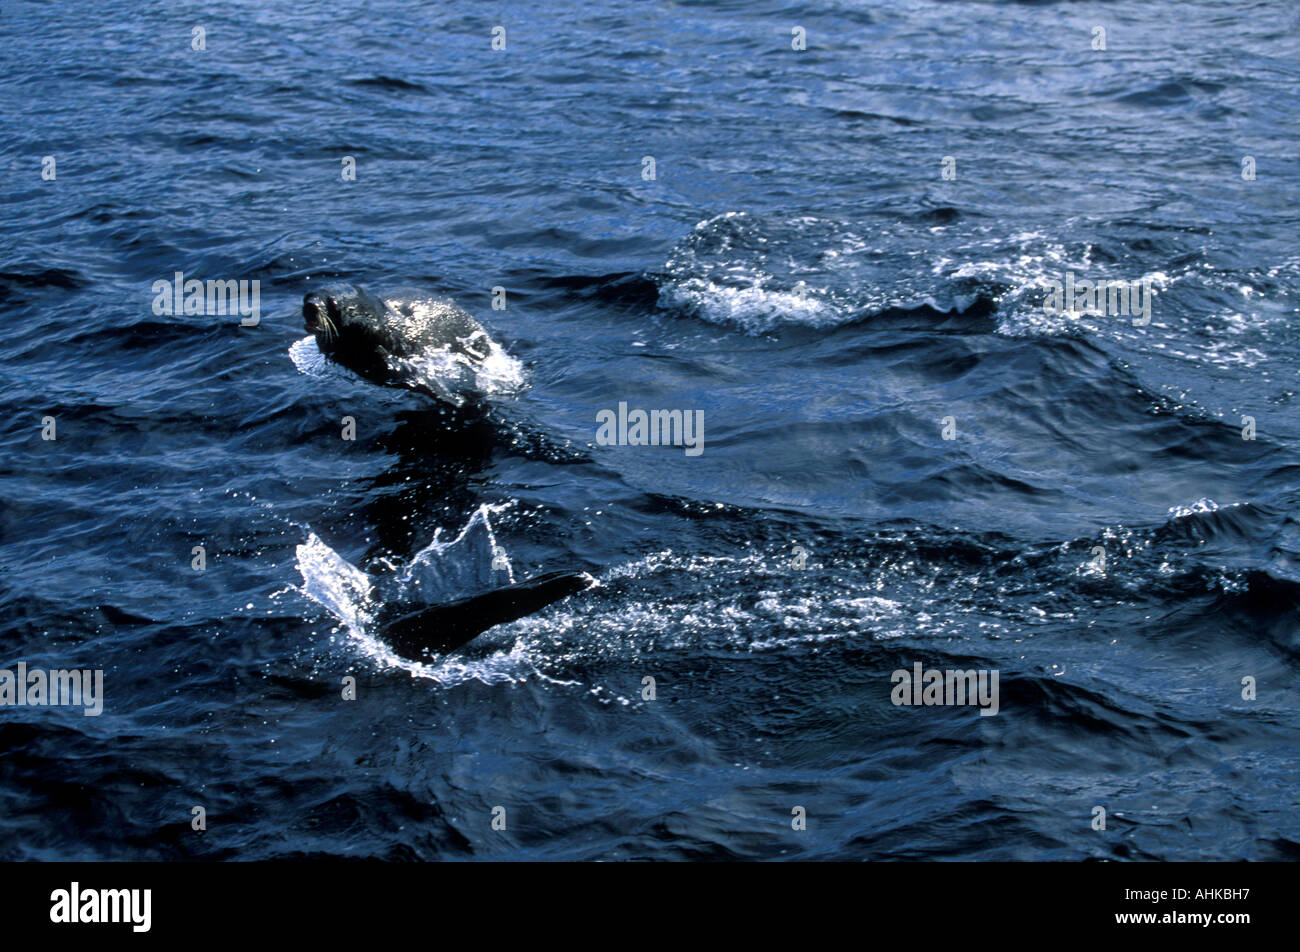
798	269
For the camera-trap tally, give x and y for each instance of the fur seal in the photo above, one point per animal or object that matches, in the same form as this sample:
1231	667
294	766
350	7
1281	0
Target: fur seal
390	341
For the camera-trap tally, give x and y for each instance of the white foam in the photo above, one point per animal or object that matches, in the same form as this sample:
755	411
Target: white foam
751	306
1201	505
306	356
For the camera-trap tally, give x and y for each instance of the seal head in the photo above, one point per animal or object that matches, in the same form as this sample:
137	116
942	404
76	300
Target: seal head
383	340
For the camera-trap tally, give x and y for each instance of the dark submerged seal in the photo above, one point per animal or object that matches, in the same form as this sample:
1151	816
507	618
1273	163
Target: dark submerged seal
439	629
377	338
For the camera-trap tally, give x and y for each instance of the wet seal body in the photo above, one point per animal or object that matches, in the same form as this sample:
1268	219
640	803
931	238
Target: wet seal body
380	339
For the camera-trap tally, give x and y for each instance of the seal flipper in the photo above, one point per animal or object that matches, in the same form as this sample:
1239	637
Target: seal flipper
442	628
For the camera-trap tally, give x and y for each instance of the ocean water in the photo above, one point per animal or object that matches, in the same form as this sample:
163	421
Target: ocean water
905	458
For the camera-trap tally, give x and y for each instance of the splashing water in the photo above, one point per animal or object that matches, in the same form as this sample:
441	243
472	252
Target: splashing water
471	563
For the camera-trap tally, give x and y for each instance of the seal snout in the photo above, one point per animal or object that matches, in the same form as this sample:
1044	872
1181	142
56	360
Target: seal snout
320	316
312	309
